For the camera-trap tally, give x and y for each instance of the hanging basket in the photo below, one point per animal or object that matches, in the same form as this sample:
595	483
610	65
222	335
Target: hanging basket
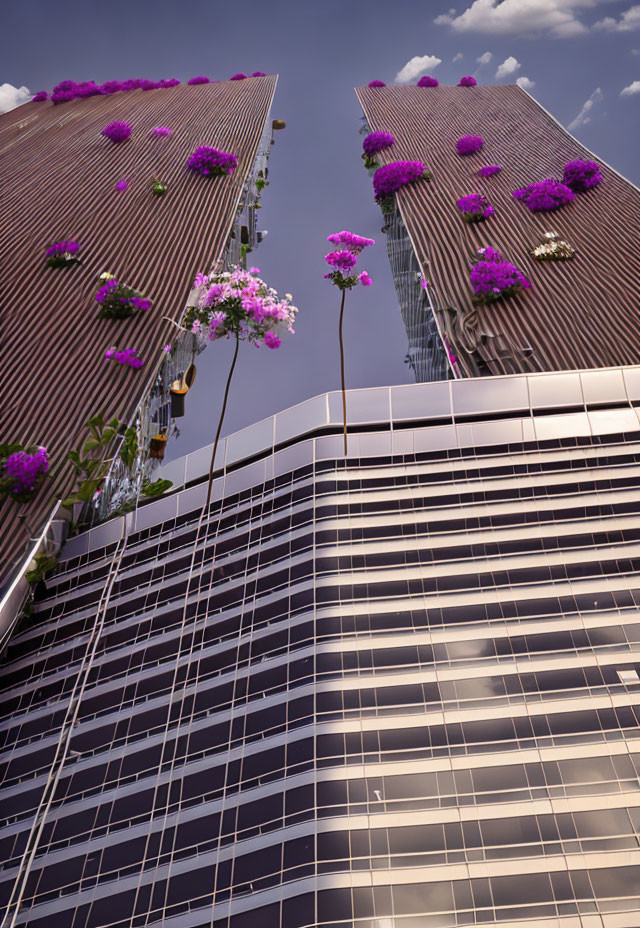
157	446
179	390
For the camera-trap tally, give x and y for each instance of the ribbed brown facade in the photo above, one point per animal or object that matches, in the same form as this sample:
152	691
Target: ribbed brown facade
58	182
580	313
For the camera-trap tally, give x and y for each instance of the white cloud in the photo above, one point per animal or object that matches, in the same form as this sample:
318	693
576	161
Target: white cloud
629	20
11	96
525	83
457	57
631	90
584	116
484	59
508	67
415	67
521	17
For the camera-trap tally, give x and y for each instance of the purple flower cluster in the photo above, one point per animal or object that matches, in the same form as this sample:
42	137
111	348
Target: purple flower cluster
581	175
200	79
345	259
239	77
62	248
258	74
469	144
493	279
117	301
474	208
467	81
349	241
128	358
376	84
40	96
428	81
72	90
489	170
391	177
117	132
377	141
207	161
25	470
161	130
544	195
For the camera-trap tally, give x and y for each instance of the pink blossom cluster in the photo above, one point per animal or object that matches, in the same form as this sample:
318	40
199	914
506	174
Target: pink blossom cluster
24	470
489	170
161	130
393	176
474	207
492	278
467	81
428	81
238	302
469	144
349	241
128	358
72	90
544	195
345	259
117	132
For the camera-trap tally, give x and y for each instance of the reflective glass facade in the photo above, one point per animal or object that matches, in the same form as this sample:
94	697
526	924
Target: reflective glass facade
393	691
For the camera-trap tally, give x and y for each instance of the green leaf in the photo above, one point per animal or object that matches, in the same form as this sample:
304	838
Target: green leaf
108	434
95	421
114	424
90	445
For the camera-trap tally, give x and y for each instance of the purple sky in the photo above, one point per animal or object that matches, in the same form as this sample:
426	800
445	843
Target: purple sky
574	50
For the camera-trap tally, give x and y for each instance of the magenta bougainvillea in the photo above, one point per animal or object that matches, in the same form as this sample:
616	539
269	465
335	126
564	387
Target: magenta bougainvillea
258	74
581	175
489	170
199	79
350	241
469	144
128	358
72	90
118	301
494	279
161	130
117	132
377	141
63	254
428	81
23	471
212	162
474	208
467	81
391	177
238	77
376	84
40	96
544	195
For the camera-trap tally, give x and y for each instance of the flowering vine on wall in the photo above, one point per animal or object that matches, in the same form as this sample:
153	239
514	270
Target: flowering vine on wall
474	208
22	471
493	279
394	176
212	162
118	300
63	254
544	195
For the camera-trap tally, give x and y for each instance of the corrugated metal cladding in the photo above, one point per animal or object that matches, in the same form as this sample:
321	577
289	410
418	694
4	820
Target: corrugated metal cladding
58	183
578	314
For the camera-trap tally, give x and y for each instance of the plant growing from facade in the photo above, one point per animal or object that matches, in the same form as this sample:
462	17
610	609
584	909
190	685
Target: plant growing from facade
22	471
581	175
43	564
544	195
394	176
553	248
469	144
118	300
158	189
343	260
474	208
374	143
237	304
127	358
63	254
467	81
117	132
428	81
489	170
494	279
157	488
88	460
211	162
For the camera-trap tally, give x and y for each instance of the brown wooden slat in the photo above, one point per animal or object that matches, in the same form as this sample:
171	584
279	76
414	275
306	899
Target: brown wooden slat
581	313
58	182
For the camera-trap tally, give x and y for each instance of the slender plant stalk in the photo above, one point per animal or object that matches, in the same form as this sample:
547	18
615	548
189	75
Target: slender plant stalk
219	429
344	395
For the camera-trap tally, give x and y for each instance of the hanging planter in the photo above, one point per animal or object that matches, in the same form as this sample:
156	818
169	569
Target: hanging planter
117	300
178	391
157	446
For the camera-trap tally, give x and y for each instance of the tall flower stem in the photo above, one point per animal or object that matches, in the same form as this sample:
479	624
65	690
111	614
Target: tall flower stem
219	429
344	395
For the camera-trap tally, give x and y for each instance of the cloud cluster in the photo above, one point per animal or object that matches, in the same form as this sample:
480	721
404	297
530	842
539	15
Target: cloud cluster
628	21
525	83
457	57
631	90
584	116
484	59
522	17
11	96
415	67
508	67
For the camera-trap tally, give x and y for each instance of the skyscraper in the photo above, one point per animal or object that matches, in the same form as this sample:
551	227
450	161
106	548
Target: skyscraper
63	180
388	691
578	314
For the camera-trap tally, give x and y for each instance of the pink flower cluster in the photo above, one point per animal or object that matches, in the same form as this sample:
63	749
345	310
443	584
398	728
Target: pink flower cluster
117	132
474	207
492	278
581	175
161	130
489	170
24	470
345	259
544	195
72	90
239	302
377	141
469	144
467	81
428	81
211	161
393	176
128	358
376	84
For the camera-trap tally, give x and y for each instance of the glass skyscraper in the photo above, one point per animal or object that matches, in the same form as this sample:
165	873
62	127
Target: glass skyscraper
396	690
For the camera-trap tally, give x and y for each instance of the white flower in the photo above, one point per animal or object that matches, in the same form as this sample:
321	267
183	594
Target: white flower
106	276
550	234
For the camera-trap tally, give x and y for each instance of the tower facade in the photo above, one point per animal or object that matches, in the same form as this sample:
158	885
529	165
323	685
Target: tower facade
580	313
388	691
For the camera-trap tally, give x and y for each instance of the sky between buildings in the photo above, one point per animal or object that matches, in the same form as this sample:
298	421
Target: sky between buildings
579	58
